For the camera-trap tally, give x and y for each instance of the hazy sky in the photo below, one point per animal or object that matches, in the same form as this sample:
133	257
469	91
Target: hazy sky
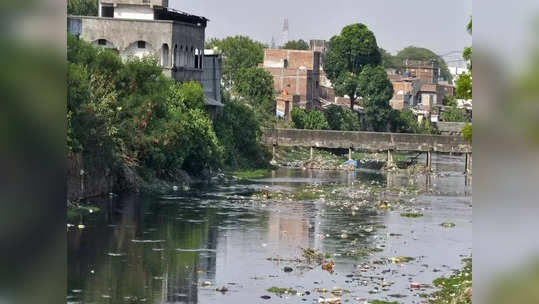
437	25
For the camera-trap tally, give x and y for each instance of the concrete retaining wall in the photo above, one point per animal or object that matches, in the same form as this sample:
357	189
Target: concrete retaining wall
450	128
370	141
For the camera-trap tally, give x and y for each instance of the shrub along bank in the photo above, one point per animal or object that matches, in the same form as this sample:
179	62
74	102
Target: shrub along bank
138	120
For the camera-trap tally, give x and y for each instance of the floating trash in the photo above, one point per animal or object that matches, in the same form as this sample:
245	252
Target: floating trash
148	241
195	250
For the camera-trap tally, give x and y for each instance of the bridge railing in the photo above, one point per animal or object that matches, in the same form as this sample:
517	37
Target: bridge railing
370	141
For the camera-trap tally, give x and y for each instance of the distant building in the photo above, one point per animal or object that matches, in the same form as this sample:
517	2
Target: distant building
417	86
425	71
148	27
296	72
405	91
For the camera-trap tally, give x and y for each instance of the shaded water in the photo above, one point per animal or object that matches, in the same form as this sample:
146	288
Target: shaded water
179	249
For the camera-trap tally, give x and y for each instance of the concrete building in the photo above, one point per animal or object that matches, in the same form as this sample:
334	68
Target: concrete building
295	73
137	28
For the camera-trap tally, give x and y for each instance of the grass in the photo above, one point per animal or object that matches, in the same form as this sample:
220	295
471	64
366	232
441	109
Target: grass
412	214
280	290
250	174
457	288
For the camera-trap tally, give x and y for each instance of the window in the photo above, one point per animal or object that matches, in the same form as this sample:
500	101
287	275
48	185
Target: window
285	63
141	44
102	42
164	55
107	11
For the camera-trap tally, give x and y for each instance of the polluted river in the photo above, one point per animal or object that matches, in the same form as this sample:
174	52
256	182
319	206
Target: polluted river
292	236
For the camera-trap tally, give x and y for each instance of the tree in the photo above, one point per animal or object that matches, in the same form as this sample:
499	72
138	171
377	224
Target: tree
315	120
341	118
238	52
296	45
376	91
423	54
347	55
256	86
239	132
82	7
463	88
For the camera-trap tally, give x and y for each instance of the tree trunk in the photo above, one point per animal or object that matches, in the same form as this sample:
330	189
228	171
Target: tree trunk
352	100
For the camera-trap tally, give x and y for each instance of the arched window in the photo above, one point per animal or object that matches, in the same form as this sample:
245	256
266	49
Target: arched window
164	55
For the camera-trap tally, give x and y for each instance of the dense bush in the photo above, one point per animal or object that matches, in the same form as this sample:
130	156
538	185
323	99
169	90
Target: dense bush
298	118
341	118
239	131
315	120
135	115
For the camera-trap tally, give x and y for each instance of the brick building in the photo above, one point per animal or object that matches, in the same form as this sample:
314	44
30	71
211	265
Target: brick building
416	86
405	91
425	71
296	72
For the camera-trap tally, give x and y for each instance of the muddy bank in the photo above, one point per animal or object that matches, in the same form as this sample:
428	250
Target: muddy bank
92	176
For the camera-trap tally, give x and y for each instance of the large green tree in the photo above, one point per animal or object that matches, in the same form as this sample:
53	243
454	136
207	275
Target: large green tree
238	52
424	54
255	85
376	91
82	7
296	45
347	55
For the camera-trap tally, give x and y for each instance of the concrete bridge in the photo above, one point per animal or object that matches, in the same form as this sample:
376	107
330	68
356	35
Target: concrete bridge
370	141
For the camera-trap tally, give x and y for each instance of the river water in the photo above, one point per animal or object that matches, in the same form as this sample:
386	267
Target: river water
181	248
